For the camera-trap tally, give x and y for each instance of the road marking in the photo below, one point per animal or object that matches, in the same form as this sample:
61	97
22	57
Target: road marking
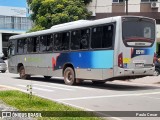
53	87
76	106
36	88
76	87
152	97
109	96
135	83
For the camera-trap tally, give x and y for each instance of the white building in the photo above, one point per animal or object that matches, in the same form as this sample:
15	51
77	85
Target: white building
13	20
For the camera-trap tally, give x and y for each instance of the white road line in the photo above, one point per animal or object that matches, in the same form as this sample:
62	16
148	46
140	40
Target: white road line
82	108
76	87
53	87
36	88
152	97
134	83
109	96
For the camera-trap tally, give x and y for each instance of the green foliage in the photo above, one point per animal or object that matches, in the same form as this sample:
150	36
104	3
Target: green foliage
21	101
47	13
36	28
87	1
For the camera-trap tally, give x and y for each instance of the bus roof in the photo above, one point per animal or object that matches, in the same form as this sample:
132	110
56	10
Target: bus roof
70	26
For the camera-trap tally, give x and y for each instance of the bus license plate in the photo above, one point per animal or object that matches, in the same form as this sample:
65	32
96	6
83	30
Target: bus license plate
139	64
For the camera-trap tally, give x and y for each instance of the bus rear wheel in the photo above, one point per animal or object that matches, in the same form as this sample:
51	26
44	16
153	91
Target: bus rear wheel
69	76
22	73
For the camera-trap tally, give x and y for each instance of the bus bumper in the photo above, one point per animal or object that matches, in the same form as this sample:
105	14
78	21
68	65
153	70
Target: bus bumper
136	72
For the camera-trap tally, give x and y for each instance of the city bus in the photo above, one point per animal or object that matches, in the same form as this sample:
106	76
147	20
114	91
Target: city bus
95	50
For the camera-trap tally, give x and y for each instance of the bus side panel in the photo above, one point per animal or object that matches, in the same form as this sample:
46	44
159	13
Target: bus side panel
89	64
42	64
12	64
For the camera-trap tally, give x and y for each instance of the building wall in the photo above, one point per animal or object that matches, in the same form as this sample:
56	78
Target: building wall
107	8
134	5
14	19
14	16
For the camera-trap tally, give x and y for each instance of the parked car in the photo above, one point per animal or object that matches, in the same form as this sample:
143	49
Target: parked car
157	68
3	66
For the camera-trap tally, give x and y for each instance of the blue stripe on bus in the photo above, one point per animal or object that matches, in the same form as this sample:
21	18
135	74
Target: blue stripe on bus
87	59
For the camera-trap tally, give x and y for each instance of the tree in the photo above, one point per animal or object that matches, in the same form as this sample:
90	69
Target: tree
87	1
47	13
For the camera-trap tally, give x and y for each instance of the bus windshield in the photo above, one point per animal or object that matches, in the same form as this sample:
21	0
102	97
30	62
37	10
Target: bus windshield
138	30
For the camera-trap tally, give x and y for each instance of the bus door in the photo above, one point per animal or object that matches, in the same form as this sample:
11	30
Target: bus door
11	55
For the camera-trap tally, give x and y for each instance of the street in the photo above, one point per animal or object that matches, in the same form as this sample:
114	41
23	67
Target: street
142	94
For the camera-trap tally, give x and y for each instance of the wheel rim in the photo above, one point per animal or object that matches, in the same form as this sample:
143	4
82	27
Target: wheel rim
156	73
69	76
22	73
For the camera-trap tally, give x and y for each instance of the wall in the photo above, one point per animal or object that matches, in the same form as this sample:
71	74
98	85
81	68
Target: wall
16	8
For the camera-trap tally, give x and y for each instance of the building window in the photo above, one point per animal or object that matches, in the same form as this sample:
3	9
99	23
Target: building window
18	23
149	0
118	1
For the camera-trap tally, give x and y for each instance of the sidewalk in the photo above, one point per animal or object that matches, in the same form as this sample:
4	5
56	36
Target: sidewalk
147	80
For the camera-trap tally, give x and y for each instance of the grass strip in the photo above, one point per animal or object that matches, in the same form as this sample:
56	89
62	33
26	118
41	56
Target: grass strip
23	102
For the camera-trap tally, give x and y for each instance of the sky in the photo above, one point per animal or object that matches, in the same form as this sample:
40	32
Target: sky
13	3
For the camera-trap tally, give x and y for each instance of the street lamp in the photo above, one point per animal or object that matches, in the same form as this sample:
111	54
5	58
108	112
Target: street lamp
126	7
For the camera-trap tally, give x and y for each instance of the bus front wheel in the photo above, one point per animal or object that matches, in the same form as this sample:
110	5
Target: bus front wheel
22	73
69	76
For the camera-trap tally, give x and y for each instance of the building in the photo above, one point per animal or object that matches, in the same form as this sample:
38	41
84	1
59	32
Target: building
14	19
108	8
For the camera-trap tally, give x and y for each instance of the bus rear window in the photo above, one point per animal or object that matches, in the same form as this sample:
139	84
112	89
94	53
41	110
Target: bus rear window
138	31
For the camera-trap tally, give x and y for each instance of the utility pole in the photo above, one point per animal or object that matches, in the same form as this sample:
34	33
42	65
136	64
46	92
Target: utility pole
126	7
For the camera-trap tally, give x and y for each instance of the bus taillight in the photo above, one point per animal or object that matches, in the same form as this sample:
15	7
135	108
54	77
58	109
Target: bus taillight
120	60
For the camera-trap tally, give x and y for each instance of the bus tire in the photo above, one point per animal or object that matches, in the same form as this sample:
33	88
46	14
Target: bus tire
3	71
22	73
156	72
69	76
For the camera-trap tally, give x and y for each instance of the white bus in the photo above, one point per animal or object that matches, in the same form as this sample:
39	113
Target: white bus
87	50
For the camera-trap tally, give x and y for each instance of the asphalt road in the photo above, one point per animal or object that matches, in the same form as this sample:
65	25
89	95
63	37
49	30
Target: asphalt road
135	95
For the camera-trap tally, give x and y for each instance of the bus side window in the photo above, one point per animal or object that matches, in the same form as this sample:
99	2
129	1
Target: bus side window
30	45
65	41
25	46
57	42
107	36
35	41
84	40
11	48
96	37
75	40
49	42
20	46
43	43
